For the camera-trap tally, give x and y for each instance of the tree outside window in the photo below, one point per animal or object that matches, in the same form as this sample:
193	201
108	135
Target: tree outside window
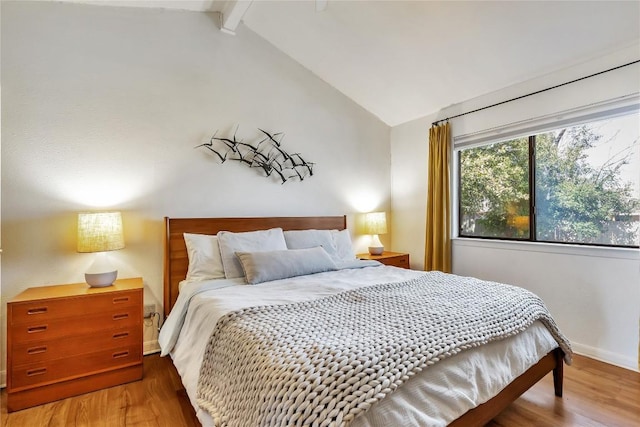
581	184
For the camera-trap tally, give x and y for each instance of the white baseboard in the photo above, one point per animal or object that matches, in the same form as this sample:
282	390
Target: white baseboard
151	347
3	379
606	356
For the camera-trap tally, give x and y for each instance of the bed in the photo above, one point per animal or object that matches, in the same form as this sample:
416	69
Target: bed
412	402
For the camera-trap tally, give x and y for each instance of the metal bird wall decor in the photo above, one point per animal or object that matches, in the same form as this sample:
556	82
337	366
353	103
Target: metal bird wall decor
266	155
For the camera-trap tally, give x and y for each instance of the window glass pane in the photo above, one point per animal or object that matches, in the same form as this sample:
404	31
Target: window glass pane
494	190
588	183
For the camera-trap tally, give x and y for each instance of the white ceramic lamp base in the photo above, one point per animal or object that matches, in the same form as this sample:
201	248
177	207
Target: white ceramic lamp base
100	280
101	273
376	247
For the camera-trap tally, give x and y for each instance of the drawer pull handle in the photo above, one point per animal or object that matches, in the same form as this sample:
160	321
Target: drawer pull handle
120	316
37	310
37	350
38	371
121	335
35	329
120	354
120	300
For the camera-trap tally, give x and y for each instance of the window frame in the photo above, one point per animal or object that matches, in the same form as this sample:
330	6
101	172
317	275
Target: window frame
531	134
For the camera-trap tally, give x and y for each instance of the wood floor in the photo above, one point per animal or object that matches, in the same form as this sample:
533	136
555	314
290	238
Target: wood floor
595	394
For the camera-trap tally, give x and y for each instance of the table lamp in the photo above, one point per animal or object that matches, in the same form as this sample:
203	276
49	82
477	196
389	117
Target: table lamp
100	232
375	223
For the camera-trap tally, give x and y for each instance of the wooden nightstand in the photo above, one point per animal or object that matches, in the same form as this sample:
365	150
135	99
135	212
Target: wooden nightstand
396	259
66	340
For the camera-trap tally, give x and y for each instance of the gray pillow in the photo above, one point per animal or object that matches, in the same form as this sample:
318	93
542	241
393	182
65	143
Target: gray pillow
273	265
305	239
251	241
344	248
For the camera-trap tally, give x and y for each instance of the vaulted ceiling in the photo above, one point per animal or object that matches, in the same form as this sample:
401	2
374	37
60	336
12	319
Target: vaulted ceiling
402	60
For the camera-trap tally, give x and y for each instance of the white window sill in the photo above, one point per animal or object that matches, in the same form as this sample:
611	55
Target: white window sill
579	250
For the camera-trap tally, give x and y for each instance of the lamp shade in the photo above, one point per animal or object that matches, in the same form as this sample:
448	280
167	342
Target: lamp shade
100	231
375	223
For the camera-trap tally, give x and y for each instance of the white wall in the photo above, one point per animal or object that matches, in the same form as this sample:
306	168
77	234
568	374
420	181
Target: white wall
102	108
594	294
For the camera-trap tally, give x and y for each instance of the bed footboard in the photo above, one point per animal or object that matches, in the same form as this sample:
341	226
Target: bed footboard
482	414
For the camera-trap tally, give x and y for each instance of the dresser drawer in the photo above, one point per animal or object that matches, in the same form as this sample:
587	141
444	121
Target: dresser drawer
397	261
35	374
59	308
68	339
45	330
40	351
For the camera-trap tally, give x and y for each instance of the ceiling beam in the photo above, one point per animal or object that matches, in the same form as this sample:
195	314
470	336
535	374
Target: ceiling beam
232	14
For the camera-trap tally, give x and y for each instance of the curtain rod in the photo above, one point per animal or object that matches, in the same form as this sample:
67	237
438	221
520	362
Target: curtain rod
534	93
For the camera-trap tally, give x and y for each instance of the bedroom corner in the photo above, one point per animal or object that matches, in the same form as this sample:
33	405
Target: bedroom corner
574	281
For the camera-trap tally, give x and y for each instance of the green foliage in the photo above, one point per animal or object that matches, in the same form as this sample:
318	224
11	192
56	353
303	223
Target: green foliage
494	186
575	201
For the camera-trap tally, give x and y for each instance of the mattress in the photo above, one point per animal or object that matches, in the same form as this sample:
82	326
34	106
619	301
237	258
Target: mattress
434	397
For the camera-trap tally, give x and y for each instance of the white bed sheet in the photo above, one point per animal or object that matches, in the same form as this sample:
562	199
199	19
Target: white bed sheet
433	397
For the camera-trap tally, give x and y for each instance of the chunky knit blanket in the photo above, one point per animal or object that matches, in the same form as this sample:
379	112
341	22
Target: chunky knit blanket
324	362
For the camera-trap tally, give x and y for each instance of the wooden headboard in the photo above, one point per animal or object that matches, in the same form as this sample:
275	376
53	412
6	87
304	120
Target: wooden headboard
176	261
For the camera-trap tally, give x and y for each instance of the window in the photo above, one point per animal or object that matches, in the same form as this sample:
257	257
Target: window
578	184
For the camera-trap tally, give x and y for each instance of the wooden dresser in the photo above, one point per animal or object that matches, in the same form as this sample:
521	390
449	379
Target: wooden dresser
396	259
66	340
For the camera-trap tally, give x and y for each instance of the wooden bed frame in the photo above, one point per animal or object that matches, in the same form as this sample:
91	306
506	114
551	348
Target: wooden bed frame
176	261
175	269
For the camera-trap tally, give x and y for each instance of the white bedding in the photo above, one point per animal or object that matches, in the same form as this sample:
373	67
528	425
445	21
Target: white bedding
434	397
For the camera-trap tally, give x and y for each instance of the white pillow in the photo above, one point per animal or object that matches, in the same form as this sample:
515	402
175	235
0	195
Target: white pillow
251	241
342	241
273	265
205	261
305	239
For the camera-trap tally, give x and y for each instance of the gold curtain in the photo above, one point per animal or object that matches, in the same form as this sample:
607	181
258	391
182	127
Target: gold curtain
437	252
